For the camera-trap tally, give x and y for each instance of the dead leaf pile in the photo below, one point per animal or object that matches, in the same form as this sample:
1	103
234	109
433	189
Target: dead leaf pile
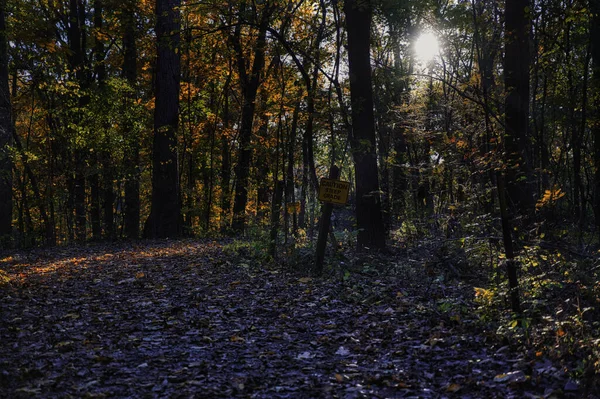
183	319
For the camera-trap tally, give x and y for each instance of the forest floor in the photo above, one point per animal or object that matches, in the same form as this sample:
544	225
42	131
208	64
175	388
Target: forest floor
190	319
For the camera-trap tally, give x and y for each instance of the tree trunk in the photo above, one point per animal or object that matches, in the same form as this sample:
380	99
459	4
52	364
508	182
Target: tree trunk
511	262
595	84
165	213
77	42
6	129
371	233
225	182
132	150
290	186
94	179
515	184
262	174
95	202
516	78
108	195
249	85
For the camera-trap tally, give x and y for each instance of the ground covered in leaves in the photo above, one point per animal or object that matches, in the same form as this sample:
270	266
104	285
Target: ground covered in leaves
188	319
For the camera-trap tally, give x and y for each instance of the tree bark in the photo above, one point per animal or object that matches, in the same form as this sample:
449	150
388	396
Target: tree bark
132	157
516	79
250	82
100	71
77	44
595	84
371	233
515	183
165	214
6	129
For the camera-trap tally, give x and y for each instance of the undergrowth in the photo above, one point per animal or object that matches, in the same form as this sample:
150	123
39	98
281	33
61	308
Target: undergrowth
559	286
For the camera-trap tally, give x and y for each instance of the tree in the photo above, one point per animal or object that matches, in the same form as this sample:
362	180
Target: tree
250	79
515	182
165	213
371	232
132	157
77	47
516	79
6	131
595	47
100	72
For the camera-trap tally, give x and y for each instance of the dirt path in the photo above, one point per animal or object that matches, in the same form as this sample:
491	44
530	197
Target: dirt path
183	319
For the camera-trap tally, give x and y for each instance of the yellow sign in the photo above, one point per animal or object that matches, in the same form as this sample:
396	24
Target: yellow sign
334	191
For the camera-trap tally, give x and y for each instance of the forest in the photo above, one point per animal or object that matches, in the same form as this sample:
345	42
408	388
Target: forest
163	227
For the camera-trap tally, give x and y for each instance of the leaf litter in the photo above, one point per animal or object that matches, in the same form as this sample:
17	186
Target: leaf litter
186	319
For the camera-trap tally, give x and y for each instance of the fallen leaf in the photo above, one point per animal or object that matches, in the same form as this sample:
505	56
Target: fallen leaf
305	355
513	376
453	388
342	351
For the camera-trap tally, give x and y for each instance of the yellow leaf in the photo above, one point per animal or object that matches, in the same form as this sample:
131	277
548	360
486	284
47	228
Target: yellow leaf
453	388
237	338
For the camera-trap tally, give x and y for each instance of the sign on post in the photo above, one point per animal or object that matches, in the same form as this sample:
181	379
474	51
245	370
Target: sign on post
334	191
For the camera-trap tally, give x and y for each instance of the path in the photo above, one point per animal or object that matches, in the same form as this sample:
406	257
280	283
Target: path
184	319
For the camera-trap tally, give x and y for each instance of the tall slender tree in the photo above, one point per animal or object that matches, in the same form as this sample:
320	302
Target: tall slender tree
77	47
515	191
516	80
250	79
595	48
371	232
132	157
100	72
6	130
165	214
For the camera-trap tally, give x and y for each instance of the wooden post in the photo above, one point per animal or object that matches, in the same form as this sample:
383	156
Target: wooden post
324	224
275	213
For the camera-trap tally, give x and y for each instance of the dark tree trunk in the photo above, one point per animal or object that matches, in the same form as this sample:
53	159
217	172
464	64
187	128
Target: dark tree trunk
516	183
262	174
225	182
132	156
487	45
108	195
76	36
368	205
6	128
308	130
95	208
275	217
302	216
249	85
165	213
595	84
511	262
105	161
290	192
516	78
100	70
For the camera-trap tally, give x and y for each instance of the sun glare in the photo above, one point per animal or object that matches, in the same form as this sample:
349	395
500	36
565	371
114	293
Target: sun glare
427	47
